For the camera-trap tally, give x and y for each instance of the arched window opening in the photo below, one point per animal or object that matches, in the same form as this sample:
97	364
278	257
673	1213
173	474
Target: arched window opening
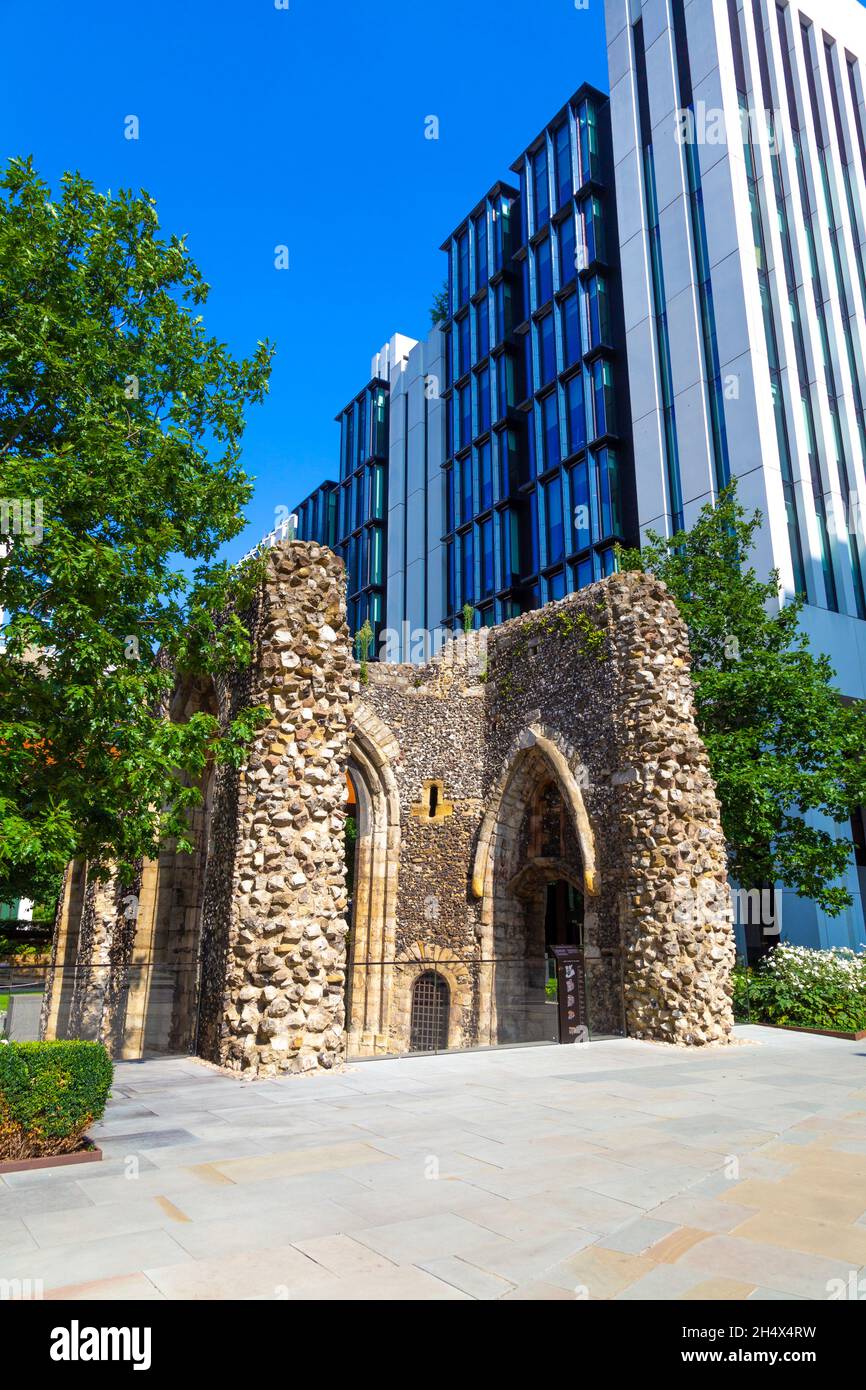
546	822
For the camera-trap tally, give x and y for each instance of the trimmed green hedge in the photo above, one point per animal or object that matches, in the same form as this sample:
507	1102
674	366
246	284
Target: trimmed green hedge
49	1093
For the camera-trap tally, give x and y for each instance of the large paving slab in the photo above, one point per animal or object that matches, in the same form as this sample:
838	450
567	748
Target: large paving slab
613	1170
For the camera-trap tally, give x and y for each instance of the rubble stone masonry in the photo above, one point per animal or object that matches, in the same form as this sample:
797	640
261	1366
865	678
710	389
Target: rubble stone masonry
558	749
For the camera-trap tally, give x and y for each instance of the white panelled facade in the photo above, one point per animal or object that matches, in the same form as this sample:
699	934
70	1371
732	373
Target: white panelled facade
738	135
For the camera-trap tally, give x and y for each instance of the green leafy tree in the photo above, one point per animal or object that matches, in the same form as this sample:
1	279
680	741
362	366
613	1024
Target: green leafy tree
782	743
121	423
363	644
439	307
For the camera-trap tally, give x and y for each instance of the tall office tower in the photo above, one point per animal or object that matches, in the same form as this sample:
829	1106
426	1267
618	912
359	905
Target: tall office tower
738	139
537	474
352	515
414	600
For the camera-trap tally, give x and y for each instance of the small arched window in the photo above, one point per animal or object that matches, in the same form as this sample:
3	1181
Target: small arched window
546	822
428	1031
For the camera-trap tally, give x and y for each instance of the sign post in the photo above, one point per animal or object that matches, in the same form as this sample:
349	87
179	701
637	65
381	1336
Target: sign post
571	993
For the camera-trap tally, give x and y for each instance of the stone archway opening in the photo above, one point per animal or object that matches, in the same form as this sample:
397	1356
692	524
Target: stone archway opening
540	864
372	844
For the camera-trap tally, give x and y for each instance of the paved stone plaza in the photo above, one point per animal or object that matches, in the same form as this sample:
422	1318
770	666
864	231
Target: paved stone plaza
618	1169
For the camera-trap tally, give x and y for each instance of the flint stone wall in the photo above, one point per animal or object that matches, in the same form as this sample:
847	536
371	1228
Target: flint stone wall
594	689
602	676
274	923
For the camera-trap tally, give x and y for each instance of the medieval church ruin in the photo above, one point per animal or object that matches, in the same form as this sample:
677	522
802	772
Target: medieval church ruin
517	842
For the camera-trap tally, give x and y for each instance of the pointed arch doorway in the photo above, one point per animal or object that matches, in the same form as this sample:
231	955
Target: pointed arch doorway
372	863
535	870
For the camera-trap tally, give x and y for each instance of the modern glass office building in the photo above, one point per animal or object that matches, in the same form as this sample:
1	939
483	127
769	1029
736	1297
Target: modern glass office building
317	515
362	502
538	485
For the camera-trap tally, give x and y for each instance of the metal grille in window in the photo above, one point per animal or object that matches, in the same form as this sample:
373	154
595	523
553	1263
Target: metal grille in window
429	1023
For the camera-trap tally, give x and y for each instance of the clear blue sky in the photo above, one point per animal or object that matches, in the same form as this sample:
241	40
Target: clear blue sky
305	127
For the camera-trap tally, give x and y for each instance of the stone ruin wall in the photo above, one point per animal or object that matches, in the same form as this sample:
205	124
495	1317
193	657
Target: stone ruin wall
599	680
603	677
274	916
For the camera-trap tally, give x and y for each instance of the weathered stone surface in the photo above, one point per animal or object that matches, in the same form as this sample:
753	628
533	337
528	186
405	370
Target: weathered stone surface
559	749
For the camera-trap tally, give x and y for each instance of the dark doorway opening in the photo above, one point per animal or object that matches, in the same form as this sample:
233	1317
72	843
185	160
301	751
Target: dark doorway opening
563	915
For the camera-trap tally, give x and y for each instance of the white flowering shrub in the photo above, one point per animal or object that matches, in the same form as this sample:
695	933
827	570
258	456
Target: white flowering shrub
804	987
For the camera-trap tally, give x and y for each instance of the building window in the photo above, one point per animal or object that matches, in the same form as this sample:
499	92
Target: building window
505	384
464	351
467	505
483	380
501	217
567	251
530	559
593	230
580	506
450	508
362	430
546	350
607	484
553	512
575	413
598	312
462	269
543	273
588	127
482	329
540	194
504	312
486	547
562	145
465	414
510	546
479	230
377	491
380	423
374	551
467	568
602	395
570	330
512	456
451	577
550	431
581	574
428	1026
485	476
555	586
349	453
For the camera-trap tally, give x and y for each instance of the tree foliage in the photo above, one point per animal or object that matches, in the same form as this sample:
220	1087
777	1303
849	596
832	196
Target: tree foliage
121	423
439	307
782	743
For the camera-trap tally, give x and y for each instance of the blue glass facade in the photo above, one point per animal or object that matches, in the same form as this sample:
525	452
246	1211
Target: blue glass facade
317	515
362	505
538	484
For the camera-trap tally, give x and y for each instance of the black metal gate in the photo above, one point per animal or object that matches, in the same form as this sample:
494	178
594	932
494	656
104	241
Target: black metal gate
428	1029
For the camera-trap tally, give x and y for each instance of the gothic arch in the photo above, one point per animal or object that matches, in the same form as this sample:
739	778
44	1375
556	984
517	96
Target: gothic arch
560	760
373	926
511	874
